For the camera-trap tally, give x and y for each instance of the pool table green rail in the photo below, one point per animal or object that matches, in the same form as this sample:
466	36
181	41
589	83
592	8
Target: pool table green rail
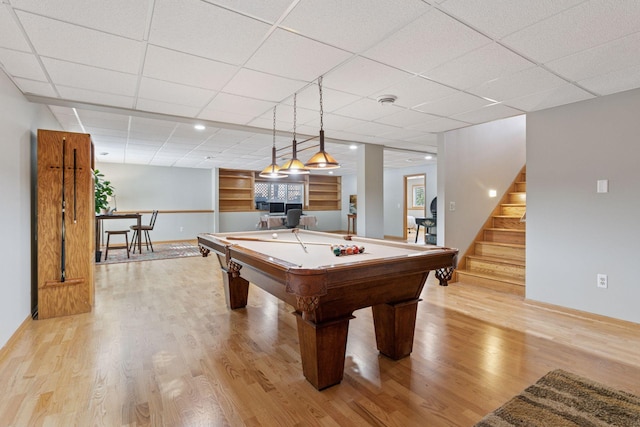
325	298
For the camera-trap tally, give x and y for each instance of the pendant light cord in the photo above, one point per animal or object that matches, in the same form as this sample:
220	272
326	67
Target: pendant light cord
274	127
321	109
294	116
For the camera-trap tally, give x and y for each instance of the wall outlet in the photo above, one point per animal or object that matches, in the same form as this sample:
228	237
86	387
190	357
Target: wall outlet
603	281
452	206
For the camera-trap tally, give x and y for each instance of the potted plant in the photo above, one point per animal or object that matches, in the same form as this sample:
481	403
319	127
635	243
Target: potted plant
103	190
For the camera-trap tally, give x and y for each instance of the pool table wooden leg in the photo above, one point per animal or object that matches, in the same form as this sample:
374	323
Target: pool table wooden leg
322	349
395	325
236	289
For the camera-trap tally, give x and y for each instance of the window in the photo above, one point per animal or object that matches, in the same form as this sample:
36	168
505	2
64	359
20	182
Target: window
287	192
418	196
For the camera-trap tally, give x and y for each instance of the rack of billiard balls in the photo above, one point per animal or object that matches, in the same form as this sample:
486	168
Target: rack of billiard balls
341	250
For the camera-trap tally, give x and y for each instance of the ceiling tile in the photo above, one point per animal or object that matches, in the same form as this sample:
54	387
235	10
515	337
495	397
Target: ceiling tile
487	114
582	27
86	77
21	64
186	69
371	129
440	125
616	55
254	84
550	98
516	85
498	18
10	35
616	81
122	17
72	43
225	117
205	30
416	90
158	90
35	87
366	109
239	104
290	55
489	62
166	108
402	118
309	98
269	11
353	25
94	97
349	77
427	42
457	103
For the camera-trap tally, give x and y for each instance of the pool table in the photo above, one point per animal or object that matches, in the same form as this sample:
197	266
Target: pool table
300	268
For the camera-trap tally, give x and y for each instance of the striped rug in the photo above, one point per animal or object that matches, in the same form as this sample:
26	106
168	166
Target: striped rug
562	399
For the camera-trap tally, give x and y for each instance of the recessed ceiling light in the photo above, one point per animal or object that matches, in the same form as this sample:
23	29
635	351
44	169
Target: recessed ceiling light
353	147
330	172
428	157
199	127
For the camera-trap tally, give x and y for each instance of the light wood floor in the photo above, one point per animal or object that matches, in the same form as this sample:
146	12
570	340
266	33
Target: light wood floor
161	349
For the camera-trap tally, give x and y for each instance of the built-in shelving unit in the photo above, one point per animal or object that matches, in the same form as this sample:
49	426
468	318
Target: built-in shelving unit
324	193
236	190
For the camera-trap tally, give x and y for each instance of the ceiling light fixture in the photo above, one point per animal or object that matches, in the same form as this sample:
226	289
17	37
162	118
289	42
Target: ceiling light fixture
385	100
273	170
199	127
321	160
294	166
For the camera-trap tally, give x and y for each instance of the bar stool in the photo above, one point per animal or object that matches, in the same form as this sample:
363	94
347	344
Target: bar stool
126	239
351	223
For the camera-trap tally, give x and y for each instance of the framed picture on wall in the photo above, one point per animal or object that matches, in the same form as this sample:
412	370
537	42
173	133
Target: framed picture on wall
418	196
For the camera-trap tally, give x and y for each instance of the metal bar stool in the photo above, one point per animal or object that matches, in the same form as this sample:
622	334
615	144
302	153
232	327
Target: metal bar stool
126	239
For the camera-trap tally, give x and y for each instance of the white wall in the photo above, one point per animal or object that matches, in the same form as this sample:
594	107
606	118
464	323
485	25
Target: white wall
19	121
574	233
394	196
140	187
471	161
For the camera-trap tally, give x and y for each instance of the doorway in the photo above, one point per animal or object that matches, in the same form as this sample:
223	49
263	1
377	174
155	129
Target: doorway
415	204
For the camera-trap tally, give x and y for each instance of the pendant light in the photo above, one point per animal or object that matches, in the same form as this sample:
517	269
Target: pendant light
273	170
322	160
294	166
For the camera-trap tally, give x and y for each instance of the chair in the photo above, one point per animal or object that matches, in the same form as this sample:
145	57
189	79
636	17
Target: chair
293	218
126	241
146	229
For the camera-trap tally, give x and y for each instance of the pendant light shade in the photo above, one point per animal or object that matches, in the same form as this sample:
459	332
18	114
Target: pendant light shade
273	170
294	166
322	160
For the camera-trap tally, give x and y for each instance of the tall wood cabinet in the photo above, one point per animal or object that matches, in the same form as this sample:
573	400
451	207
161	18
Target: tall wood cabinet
65	253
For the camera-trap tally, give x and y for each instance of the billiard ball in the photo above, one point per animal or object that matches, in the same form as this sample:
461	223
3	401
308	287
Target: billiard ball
274	235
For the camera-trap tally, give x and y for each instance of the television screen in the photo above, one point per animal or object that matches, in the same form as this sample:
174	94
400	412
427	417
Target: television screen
276	207
292	206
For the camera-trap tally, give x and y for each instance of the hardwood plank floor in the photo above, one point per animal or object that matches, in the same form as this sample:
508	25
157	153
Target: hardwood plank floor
162	349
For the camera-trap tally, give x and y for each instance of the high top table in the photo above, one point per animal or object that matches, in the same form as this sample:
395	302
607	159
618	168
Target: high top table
100	218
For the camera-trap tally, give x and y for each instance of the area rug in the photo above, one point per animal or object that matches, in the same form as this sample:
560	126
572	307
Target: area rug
561	399
160	251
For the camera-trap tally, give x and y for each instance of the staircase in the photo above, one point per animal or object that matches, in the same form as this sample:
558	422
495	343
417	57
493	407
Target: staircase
496	259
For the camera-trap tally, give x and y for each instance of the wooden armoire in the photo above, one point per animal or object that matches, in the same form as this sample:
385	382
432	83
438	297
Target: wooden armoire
65	228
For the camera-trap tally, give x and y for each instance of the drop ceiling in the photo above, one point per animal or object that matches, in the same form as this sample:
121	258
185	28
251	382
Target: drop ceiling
137	75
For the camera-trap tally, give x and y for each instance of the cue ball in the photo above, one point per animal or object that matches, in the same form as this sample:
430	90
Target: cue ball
274	235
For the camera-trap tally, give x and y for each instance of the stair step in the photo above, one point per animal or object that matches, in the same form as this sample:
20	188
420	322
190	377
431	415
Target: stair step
508	221
494	266
521	186
518	197
505	235
502	284
502	250
515	209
